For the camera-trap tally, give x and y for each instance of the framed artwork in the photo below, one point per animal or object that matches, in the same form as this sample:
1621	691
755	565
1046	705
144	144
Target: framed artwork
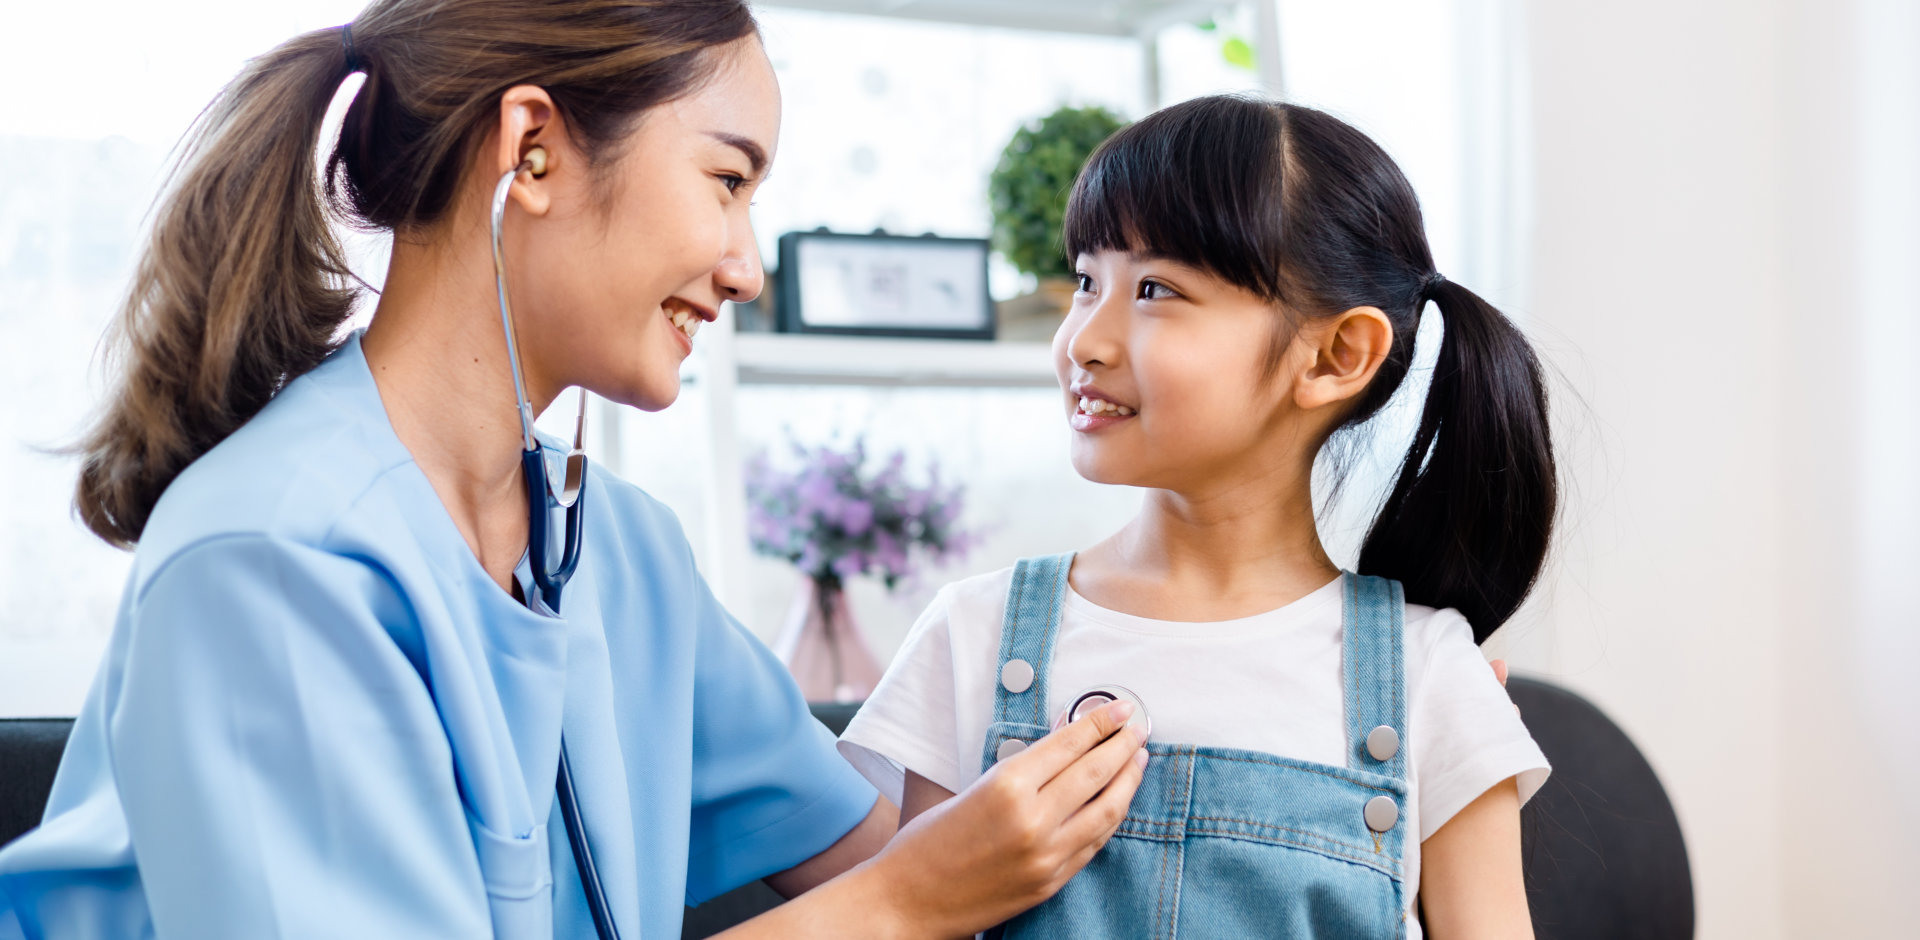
884	285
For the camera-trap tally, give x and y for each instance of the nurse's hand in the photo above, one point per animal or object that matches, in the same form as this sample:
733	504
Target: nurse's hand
971	861
1014	838
1500	673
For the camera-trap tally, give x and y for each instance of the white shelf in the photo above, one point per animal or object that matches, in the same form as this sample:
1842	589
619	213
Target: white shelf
1134	18
788	359
729	359
1137	19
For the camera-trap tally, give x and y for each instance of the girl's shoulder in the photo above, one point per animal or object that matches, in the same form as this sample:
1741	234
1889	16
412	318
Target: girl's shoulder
1428	627
972	609
966	611
979	594
1438	646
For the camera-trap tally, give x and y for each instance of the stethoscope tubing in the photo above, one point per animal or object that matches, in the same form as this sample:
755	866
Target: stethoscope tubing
583	853
549	581
549	577
525	407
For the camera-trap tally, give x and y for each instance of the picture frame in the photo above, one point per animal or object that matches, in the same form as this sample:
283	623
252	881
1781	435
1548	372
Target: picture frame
881	284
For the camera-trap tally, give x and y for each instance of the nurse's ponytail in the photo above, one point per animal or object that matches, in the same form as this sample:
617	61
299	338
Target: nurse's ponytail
241	285
1304	211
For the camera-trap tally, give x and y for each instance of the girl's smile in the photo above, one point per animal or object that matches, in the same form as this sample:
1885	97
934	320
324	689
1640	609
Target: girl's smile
1095	410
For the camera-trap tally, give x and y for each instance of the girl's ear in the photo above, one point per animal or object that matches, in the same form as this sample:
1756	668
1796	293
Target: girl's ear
1347	350
529	120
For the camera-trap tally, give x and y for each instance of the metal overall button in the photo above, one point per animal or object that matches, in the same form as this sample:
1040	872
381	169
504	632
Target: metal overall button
1016	676
1381	813
1382	743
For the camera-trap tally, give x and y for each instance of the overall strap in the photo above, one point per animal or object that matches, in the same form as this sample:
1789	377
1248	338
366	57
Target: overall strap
1027	636
1373	666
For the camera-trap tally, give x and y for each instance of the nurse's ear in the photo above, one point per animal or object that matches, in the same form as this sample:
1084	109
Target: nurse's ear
530	129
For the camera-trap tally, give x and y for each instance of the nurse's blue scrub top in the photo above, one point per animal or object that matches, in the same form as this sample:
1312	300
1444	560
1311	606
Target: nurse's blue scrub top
318	717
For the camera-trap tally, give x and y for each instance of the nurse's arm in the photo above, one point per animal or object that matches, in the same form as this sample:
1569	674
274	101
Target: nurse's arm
921	795
863	842
1009	842
281	763
1470	873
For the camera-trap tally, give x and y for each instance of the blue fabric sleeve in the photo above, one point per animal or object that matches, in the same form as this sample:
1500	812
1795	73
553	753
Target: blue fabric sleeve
283	770
770	790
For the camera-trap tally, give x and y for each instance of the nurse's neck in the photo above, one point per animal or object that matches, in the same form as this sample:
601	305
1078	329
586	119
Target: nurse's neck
439	360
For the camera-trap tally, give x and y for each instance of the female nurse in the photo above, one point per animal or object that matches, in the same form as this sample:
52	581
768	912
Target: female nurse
334	700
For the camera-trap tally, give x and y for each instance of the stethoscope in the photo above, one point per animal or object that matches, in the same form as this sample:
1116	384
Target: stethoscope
549	575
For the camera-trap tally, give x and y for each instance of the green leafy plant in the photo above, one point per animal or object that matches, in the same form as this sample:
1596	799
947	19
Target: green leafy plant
1028	189
1236	50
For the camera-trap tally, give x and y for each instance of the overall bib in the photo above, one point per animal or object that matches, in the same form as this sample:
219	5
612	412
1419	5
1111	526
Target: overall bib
1230	843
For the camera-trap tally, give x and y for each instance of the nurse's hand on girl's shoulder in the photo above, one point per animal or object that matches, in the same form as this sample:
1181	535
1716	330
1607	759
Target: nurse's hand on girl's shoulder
1014	838
1500	673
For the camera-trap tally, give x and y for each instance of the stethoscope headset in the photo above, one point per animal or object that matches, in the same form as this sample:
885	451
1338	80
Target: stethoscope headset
550	575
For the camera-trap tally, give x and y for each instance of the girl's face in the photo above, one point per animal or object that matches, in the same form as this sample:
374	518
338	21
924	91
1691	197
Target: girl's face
1162	369
631	257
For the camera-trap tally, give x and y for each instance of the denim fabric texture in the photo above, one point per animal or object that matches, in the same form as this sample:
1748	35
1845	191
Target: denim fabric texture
1226	843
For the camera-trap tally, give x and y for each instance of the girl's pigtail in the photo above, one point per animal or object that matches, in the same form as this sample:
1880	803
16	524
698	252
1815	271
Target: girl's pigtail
238	289
1467	523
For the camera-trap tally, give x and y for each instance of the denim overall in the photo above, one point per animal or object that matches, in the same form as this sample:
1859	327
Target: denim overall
1229	843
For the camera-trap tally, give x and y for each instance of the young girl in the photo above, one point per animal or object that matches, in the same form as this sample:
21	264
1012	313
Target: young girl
1330	755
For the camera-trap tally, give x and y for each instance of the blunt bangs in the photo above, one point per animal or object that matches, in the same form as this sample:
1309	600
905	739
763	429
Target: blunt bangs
1198	183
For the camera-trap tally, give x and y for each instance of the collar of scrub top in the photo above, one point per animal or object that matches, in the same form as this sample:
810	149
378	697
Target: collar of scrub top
549	574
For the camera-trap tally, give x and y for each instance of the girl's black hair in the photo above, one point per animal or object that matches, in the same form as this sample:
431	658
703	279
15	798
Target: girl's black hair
1309	214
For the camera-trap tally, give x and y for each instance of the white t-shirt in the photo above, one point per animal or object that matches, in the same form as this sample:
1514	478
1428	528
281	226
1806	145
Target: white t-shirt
1270	682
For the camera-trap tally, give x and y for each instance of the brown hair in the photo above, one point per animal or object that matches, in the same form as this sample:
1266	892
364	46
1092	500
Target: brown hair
242	287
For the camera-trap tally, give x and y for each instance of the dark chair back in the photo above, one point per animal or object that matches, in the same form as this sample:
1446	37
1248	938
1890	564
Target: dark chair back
1602	848
29	754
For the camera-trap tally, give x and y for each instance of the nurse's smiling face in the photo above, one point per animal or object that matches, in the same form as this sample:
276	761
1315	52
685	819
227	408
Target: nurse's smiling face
615	269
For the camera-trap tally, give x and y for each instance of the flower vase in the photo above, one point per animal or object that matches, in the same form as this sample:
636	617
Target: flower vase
828	656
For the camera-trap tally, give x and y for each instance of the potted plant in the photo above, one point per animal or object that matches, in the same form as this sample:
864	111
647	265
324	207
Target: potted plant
1028	193
835	518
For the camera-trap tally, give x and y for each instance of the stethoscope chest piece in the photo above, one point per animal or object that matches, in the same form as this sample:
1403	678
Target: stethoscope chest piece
1086	700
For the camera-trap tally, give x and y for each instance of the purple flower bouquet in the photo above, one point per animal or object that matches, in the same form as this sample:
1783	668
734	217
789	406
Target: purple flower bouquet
836	518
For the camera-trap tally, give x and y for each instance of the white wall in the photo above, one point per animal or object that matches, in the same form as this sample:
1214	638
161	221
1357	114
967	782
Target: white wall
1851	395
1724	269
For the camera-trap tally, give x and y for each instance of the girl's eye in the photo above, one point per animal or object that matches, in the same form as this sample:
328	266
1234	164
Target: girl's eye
1154	290
1085	285
732	182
